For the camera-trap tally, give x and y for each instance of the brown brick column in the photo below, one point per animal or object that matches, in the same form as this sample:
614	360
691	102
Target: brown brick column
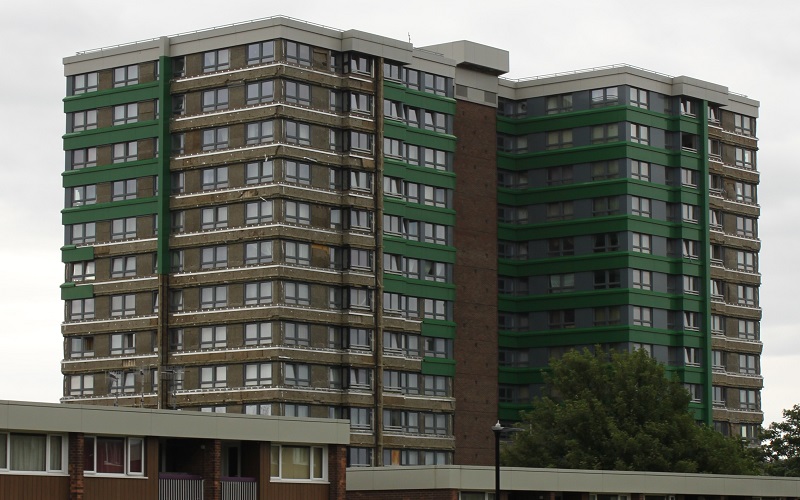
75	466
475	273
337	465
212	469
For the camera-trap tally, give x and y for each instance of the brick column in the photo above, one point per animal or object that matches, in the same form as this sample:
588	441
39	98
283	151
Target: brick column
337	465
75	466
212	469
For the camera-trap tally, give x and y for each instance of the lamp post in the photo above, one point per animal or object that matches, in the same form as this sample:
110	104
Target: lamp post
498	430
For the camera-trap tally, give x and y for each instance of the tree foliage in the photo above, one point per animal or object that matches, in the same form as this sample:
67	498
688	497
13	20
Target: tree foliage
619	411
782	445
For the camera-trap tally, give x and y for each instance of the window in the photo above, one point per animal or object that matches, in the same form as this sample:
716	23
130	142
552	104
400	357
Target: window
79	196
123	305
297	173
607	205
692	356
715	218
258	374
360	141
564	318
605	133
176	300
689	108
81	271
362	103
258	212
691	285
748	364
126	75
123	267
259	172
124	190
606	242
122	229
212	297
260	133
298	133
259	252
749	399
178	146
558	247
641	242
80	309
642	280
297	212
215	99
258	409
559	139
560	283
126	113
123	343
260	92
297	375
179	105
260	53
298	53
642	316
747	295
33	452
638	98
717	360
717	289
690	249
298	462
605	97
214	218
745	192
745	226
691	321
216	60
695	392
298	93
559	210
689	213
360	298
605	170
748	329
604	316
745	158
434	84
258	333
84	120
640	133
79	347
258	293
296	334
640	170
605	279
296	252
213	377
215	138
125	151
215	178
297	293
744	125
746	261
86	82
558	104
214	257
82	158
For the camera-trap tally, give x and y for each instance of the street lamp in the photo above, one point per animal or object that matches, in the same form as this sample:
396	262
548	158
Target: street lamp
498	430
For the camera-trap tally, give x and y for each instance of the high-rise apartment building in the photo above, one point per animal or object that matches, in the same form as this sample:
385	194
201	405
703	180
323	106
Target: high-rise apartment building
277	217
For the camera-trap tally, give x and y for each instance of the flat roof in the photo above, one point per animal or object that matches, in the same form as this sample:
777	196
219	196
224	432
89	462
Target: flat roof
49	417
466	478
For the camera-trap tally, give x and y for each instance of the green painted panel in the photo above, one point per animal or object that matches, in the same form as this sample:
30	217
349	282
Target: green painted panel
415	211
422	175
440	330
595	225
420	137
439	366
416	250
110	135
71	253
586	190
417	98
593	298
419	288
113	210
70	291
598	152
111	97
110	173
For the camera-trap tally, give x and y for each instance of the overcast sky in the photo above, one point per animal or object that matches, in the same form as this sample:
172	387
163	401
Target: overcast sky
750	47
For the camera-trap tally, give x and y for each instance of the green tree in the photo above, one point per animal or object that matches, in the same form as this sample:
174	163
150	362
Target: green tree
782	445
619	411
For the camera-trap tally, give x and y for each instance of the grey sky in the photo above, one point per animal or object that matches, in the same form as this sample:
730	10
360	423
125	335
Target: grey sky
751	47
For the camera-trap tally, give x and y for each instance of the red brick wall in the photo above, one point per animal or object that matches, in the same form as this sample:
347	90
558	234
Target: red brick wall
212	463
337	464
475	273
75	466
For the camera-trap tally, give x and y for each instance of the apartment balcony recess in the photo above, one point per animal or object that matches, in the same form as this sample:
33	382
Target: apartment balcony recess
177	486
238	488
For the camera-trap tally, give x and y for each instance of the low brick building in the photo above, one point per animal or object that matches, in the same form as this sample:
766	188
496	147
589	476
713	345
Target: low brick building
70	452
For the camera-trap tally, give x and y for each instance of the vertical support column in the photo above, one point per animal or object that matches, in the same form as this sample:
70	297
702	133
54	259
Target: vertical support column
212	470
378	197
75	465
337	466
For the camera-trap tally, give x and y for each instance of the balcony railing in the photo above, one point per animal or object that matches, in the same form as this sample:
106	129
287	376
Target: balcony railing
181	487
238	488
